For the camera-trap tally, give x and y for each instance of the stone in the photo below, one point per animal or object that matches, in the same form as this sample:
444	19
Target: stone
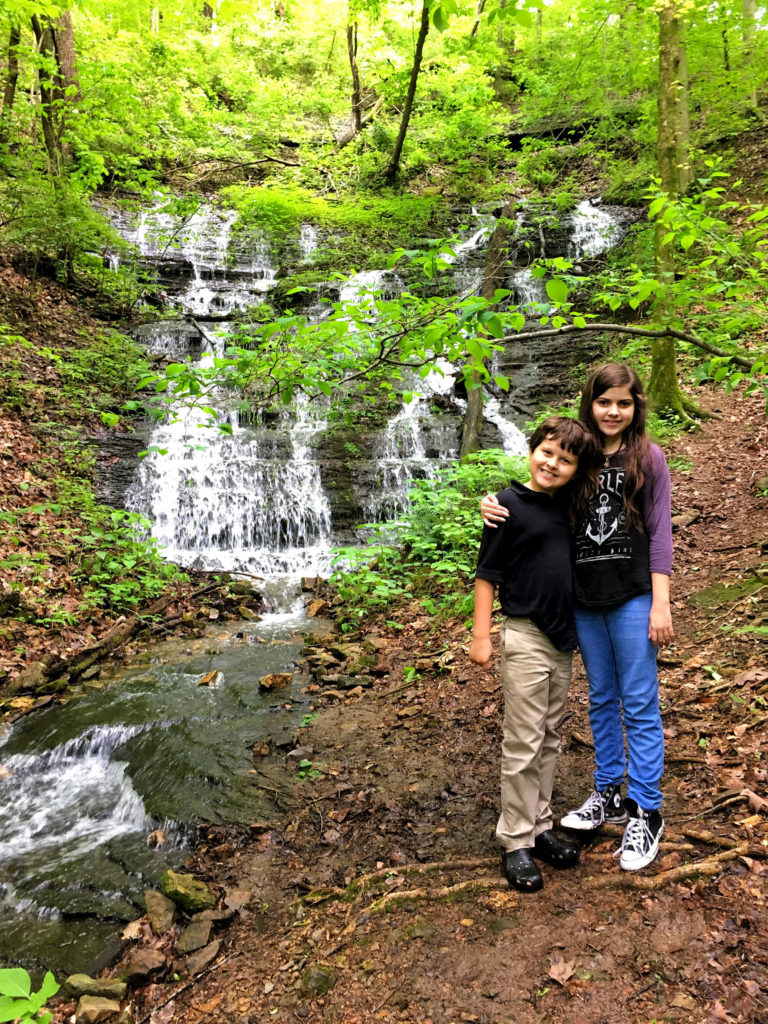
361	665
236	899
317	980
202	958
30	678
187	892
92	1009
194	936
275	680
78	985
160	911
316	608
246	613
142	965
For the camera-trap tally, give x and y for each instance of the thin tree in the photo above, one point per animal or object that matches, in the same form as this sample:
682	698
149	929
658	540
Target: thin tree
12	77
394	164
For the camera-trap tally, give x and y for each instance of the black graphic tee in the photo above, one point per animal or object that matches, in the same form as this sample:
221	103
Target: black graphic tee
612	561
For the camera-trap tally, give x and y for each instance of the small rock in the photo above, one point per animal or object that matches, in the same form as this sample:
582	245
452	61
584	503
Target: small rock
30	678
91	673
92	1009
157	838
275	680
317	980
187	892
194	936
246	613
160	911
210	679
78	985
142	965
202	958
223	851
316	608
236	899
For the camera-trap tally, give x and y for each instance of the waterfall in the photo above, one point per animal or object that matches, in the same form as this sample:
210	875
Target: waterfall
42	789
594	231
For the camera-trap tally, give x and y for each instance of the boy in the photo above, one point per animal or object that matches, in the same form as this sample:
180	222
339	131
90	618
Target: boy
529	559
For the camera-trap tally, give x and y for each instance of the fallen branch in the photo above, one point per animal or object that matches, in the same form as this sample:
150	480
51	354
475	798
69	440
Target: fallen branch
710	866
444	892
644	332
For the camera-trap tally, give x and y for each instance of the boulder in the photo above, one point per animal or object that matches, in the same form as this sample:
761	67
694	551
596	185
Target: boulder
30	678
187	892
160	911
93	1009
78	985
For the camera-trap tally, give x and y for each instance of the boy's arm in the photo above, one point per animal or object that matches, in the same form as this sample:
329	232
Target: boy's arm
481	648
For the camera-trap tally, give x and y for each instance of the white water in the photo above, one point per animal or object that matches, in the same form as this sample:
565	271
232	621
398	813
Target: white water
594	231
70	799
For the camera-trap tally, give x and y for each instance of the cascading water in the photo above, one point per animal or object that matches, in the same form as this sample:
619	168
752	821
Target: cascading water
81	786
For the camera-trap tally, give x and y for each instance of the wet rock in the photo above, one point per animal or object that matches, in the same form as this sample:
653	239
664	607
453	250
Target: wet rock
30	678
345	652
78	985
160	911
275	680
141	966
316	608
92	1009
246	613
317	980
202	958
361	665
187	892
194	936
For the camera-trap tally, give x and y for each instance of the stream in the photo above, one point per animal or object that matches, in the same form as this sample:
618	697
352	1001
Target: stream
145	747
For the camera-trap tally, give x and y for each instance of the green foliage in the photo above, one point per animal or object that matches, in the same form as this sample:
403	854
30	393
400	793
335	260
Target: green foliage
433	548
17	1000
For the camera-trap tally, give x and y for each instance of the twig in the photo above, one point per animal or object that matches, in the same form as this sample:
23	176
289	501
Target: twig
716	807
186	985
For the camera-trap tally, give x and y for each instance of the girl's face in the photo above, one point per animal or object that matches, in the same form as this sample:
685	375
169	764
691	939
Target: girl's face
613	411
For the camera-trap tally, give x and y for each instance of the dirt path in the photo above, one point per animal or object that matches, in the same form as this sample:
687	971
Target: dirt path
383	881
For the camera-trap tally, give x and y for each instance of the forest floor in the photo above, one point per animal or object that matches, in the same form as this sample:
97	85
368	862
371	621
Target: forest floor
382	882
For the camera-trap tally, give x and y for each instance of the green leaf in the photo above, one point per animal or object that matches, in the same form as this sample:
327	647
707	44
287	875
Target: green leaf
14	981
502	382
557	290
579	321
175	370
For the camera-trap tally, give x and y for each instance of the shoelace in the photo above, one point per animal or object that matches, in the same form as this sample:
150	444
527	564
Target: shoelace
635	833
594	803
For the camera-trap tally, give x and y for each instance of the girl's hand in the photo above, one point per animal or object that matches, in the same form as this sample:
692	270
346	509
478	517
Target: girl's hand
480	651
660	629
492	511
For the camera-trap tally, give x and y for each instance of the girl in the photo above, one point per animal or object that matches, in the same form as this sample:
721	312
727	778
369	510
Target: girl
623	558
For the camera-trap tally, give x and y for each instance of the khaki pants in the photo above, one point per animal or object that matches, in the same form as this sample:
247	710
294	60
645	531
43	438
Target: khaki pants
534	677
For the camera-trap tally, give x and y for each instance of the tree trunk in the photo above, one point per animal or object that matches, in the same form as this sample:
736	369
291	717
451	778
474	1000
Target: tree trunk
154	20
685	169
45	47
9	94
478	15
64	44
394	164
357	120
748	52
493	278
674	169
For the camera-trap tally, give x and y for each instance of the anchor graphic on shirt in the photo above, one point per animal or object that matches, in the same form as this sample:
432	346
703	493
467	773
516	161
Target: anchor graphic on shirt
604	529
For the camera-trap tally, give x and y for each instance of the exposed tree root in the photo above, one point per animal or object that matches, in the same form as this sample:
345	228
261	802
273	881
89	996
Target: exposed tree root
709	866
442	893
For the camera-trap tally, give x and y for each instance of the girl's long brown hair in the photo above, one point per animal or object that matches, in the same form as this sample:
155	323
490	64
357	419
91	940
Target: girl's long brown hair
634	441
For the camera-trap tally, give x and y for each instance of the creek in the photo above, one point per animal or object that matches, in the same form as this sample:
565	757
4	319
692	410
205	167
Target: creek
83	785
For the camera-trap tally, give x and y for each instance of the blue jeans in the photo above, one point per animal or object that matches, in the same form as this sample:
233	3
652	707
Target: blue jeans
620	662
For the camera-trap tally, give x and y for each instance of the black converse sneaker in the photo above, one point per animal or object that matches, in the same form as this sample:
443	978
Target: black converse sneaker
641	837
601	806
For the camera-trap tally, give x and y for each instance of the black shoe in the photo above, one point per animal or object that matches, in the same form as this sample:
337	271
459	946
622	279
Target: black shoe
520	870
604	805
556	849
641	837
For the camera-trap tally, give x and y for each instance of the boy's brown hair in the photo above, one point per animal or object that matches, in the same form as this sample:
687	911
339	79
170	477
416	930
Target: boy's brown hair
575	438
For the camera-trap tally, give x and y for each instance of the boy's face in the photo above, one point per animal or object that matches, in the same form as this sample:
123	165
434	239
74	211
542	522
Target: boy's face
552	467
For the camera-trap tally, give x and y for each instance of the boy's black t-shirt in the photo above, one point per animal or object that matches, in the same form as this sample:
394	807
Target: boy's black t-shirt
529	559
